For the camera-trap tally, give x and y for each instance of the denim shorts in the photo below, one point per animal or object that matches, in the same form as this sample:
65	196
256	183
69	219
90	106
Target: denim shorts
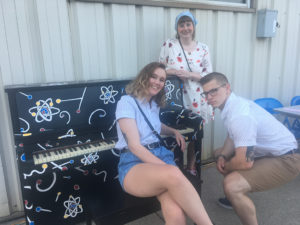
129	160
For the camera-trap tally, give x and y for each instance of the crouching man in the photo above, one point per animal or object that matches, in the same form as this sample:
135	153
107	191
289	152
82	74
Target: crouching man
259	153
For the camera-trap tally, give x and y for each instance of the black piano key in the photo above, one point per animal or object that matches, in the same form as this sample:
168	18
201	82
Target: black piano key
60	152
110	141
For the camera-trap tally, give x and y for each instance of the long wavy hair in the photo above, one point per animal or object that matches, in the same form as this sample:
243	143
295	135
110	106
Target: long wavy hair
138	87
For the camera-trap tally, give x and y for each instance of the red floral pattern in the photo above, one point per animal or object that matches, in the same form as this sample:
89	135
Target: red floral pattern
199	61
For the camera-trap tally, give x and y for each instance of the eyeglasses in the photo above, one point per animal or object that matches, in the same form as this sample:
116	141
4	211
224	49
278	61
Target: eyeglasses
211	92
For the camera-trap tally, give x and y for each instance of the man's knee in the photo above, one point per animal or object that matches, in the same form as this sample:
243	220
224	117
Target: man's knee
234	183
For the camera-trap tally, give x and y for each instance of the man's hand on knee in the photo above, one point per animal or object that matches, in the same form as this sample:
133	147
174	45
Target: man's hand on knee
220	160
217	152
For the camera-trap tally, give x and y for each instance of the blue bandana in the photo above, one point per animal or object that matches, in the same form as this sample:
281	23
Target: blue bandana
188	14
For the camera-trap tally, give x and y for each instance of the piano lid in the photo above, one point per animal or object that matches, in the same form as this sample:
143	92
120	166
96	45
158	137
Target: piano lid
60	111
64	111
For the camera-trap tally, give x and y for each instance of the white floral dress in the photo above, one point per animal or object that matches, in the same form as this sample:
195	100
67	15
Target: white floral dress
199	61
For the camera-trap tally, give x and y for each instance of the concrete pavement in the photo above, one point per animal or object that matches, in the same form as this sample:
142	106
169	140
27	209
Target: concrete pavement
280	206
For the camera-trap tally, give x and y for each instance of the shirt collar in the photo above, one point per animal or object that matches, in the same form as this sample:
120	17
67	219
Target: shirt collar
228	102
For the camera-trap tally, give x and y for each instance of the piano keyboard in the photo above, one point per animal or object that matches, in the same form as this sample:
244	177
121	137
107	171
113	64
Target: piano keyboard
55	154
71	151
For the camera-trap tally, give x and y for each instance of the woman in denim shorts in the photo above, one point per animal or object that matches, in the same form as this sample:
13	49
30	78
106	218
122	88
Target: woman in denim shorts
146	168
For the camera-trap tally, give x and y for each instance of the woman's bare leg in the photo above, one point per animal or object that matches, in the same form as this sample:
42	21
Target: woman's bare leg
146	179
171	211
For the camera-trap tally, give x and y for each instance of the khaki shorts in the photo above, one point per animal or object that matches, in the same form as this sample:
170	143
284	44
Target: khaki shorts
271	172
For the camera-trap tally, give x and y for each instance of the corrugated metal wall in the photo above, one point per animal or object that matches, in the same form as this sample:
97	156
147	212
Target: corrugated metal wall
55	41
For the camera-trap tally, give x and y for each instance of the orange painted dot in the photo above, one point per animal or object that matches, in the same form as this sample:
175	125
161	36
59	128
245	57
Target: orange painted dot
44	166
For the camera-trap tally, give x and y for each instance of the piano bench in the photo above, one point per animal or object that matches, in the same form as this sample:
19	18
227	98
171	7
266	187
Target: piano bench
112	206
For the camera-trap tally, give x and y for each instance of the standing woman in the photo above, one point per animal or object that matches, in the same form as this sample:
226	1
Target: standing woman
189	60
147	168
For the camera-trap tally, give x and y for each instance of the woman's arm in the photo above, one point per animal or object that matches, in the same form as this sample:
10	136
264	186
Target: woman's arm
183	74
130	132
172	72
171	131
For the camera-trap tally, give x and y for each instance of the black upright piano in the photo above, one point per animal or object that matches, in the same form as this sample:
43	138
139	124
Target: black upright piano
64	137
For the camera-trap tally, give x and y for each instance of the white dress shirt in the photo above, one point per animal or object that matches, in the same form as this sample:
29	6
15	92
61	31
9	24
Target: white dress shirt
248	124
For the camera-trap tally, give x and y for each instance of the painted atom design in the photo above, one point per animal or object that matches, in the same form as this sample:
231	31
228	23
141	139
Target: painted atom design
107	94
44	110
169	88
72	207
91	158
